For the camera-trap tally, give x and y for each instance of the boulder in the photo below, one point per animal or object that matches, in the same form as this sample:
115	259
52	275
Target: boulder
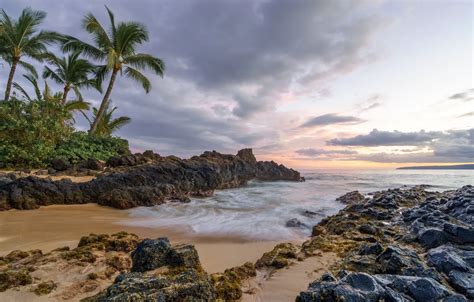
60	164
295	223
351	197
151	254
432	237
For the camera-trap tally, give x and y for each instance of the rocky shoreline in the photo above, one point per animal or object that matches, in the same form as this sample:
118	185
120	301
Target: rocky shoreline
143	180
394	245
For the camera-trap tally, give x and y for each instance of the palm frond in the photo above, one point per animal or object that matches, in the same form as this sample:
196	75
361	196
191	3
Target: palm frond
118	123
51	74
75	105
146	61
139	77
30	68
23	92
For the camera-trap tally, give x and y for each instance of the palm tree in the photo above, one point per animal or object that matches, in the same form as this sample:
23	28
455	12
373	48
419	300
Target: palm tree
46	96
71	72
116	48
107	125
21	38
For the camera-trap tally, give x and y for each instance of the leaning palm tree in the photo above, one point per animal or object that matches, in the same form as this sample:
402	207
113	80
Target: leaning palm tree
107	124
21	38
71	72
116	48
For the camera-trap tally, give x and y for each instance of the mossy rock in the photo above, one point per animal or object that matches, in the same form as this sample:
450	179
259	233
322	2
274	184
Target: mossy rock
45	288
80	254
120	242
228	284
14	278
278	257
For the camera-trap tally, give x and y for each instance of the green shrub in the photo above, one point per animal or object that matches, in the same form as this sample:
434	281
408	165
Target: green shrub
30	131
81	146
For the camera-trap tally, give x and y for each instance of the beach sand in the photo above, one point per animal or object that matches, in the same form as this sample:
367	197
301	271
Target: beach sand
55	226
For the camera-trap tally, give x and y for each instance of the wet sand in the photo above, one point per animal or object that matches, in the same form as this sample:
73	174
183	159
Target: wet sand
287	283
55	226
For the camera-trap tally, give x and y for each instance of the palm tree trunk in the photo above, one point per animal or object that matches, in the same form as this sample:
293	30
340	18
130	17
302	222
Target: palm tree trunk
66	90
10	79
104	103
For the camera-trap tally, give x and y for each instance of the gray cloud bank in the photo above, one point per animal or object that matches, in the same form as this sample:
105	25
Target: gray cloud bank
228	61
330	119
442	146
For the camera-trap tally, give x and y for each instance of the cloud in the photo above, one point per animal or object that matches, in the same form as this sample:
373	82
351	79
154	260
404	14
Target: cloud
228	63
436	146
311	152
466	96
387	138
330	119
372	102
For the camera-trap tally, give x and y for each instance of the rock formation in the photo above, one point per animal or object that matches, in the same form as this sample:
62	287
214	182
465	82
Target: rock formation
149	183
399	245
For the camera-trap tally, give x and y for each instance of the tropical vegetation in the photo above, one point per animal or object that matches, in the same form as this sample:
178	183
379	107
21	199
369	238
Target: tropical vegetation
39	110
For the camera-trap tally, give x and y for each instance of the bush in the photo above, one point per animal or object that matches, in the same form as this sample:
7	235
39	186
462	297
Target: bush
30	131
80	146
33	133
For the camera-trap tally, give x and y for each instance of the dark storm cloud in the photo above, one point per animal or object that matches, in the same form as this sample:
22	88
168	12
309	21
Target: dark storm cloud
242	53
330	119
448	146
312	152
387	138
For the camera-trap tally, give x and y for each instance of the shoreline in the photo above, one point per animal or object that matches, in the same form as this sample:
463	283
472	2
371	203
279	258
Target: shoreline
54	226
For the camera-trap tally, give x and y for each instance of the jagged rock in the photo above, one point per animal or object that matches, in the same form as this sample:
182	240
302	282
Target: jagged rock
371	249
154	182
182	278
367	229
432	237
365	287
188	285
278	257
351	197
270	170
401	218
247	156
151	254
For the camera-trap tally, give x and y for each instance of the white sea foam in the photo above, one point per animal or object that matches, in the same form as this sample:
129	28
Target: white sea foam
260	210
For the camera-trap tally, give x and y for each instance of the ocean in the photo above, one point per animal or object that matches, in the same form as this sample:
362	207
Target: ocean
260	210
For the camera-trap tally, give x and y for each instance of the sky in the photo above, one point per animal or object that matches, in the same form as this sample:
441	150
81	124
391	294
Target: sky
312	84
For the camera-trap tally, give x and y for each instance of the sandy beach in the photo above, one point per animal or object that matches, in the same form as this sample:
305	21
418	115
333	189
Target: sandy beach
54	226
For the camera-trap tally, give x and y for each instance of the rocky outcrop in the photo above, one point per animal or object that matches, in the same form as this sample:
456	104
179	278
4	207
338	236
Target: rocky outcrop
162	179
66	273
161	272
399	245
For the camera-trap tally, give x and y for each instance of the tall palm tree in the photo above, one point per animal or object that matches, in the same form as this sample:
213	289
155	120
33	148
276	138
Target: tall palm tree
21	38
116	48
107	125
72	72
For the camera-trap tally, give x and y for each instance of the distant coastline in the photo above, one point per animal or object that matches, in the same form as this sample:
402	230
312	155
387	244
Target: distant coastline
450	167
